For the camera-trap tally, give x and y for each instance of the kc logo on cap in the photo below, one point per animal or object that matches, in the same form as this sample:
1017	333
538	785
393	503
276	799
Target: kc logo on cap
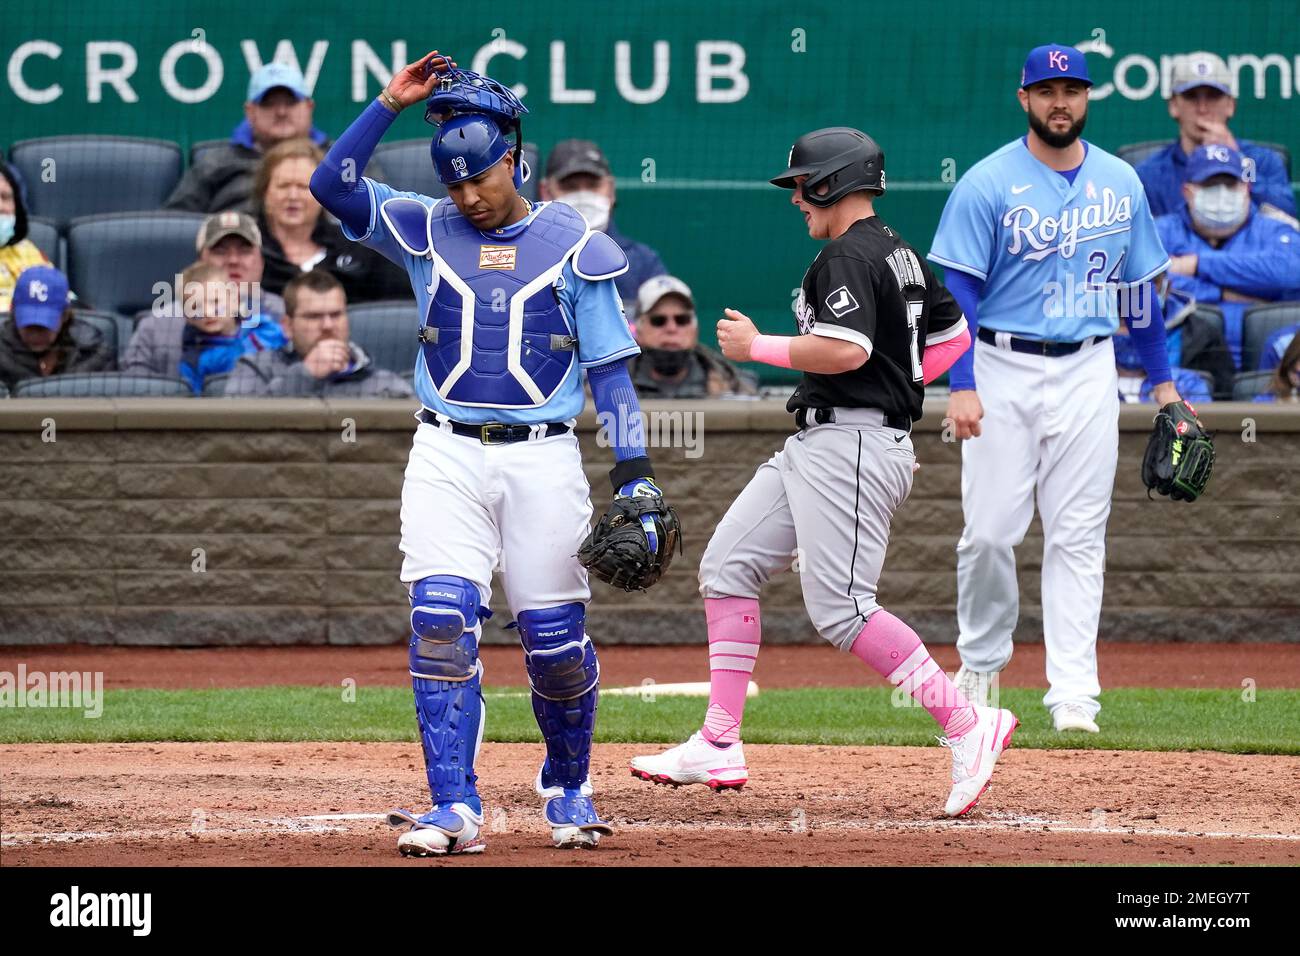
39	290
1058	61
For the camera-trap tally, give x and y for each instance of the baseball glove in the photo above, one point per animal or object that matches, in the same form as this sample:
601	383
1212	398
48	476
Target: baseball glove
634	542
1179	455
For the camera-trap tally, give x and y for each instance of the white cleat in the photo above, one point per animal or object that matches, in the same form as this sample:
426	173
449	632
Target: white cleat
444	831
975	755
975	686
1074	717
696	761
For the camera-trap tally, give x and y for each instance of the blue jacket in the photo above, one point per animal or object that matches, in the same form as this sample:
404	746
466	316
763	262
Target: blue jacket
1163	174
1261	259
1275	346
642	263
1191	387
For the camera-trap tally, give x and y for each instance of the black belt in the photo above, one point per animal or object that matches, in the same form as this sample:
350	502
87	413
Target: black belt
823	416
1037	346
494	433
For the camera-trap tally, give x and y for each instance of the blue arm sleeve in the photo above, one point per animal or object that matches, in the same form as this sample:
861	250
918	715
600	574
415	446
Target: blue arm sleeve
1146	323
336	184
618	409
966	289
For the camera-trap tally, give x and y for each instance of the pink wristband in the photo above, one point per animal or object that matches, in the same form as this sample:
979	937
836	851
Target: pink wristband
772	349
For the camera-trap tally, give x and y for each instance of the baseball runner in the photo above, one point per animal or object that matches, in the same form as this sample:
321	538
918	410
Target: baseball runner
514	301
874	326
1047	243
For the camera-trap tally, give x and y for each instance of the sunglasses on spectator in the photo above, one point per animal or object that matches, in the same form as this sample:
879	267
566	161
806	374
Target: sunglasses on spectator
683	319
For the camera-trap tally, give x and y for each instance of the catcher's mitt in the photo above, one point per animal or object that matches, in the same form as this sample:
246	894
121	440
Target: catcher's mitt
635	540
1179	455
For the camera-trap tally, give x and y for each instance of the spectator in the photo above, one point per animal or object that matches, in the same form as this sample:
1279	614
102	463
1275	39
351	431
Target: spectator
1197	344
44	337
1201	104
278	109
1275	347
1285	383
17	252
297	237
673	363
577	173
1220	249
319	360
1134	386
232	241
201	335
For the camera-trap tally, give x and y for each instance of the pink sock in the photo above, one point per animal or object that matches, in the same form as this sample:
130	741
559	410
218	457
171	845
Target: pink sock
892	648
734	629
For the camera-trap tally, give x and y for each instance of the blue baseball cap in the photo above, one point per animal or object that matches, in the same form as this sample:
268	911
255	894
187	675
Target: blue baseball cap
40	296
1214	160
274	75
1054	61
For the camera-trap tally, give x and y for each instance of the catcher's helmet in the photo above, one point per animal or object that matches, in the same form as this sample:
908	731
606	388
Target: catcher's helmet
844	159
474	114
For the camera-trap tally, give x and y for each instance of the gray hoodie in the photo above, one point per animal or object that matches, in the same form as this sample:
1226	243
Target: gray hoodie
281	373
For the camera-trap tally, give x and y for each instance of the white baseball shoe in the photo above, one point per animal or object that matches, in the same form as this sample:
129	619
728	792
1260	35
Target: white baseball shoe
696	761
975	686
1074	717
572	816
975	755
444	831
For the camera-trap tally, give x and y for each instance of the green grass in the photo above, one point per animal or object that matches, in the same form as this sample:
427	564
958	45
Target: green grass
1131	719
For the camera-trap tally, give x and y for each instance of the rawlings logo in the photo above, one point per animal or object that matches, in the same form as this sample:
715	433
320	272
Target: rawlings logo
1030	230
1181	428
501	258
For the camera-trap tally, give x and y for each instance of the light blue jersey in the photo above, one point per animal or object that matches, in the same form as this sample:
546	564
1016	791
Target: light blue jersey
592	309
1050	253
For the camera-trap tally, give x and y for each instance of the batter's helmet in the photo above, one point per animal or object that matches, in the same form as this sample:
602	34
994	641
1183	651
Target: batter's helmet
474	115
843	158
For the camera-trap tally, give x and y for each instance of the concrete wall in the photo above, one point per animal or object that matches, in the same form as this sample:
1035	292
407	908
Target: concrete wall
298	527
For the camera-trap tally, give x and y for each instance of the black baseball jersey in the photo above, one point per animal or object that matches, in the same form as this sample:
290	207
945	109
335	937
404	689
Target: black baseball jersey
870	287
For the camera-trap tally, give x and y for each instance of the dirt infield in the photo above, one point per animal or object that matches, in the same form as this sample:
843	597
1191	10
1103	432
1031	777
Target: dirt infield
275	804
1121	665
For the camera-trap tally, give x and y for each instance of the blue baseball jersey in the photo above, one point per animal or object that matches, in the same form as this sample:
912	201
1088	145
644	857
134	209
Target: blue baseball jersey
1050	253
592	308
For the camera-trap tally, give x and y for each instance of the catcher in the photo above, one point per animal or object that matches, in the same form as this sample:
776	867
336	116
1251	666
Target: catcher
495	478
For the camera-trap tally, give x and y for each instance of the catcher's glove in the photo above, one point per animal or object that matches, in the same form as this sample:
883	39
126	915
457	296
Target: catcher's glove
635	540
1179	455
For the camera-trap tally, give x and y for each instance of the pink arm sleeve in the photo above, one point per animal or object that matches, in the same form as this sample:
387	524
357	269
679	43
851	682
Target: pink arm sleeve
939	358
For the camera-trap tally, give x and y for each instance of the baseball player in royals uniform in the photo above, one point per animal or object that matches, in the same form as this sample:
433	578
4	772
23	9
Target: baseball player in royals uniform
873	327
514	300
1046	244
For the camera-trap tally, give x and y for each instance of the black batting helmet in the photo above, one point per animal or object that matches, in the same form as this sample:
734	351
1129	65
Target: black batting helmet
843	158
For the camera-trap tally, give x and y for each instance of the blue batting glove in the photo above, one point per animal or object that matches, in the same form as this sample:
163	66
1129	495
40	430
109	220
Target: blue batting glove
643	488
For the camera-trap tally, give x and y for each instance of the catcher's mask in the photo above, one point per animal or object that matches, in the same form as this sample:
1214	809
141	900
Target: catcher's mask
842	158
475	115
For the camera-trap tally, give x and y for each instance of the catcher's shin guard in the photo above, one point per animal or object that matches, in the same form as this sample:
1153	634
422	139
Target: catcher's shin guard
446	676
564	675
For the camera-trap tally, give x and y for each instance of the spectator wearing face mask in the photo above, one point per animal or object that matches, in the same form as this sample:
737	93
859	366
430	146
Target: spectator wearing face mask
577	173
17	252
1221	249
673	363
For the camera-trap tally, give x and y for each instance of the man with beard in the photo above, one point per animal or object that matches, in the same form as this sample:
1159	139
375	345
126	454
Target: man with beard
1047	244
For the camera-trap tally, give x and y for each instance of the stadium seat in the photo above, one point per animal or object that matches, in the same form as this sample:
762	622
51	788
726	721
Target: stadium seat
1282	151
4	392
114	260
44	234
1247	385
96	174
1210	314
387	332
1259	323
201	145
214	386
101	385
1134	153
407	166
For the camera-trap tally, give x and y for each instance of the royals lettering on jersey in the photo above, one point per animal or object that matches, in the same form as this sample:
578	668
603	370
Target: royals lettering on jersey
1051	253
869	287
505	321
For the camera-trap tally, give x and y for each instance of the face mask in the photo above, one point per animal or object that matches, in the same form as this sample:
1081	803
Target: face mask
1126	352
593	206
667	362
7	224
1220	207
